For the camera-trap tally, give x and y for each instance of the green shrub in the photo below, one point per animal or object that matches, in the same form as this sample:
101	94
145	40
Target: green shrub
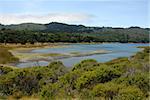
112	91
49	91
130	93
84	65
101	75
5	70
141	80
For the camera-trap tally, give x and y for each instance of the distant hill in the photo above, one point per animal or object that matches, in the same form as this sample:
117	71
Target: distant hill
61	27
25	26
51	27
60	32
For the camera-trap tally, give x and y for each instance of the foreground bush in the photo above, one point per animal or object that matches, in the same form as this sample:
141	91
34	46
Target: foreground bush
112	91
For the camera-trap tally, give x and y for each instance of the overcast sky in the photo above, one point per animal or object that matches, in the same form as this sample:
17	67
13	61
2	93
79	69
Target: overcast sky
115	13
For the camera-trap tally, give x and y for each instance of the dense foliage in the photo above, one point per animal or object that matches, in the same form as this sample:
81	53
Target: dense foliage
119	79
58	32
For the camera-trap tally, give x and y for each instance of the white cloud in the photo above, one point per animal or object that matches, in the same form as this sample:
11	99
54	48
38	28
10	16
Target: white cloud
46	18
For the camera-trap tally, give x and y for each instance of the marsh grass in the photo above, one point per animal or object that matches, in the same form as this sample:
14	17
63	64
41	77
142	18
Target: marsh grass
53	54
6	56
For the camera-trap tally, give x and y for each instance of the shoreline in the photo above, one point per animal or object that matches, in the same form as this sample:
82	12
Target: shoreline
61	43
28	47
24	55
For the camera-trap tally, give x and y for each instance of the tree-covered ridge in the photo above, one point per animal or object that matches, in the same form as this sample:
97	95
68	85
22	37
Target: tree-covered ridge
134	35
62	27
59	32
119	79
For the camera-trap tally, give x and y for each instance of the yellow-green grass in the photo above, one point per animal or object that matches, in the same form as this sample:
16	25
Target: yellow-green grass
31	46
13	52
27	56
53	54
32	56
6	56
74	52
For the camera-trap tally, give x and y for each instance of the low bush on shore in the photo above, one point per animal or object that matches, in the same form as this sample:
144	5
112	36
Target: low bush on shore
6	56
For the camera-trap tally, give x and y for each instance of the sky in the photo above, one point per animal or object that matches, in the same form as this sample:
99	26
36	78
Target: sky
110	13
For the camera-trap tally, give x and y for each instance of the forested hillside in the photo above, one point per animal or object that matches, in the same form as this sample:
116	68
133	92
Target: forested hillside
58	32
119	79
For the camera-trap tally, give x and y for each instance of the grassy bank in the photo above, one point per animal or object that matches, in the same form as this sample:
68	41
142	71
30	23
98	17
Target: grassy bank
28	47
14	52
119	79
6	56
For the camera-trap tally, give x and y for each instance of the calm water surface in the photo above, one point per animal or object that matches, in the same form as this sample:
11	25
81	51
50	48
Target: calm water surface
118	50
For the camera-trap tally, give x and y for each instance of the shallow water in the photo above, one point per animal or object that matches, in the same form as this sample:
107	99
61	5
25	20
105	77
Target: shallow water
118	50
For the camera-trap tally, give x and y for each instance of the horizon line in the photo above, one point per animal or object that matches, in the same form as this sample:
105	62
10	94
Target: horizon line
74	24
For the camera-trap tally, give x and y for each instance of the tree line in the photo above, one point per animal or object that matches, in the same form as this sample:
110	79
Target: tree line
108	35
